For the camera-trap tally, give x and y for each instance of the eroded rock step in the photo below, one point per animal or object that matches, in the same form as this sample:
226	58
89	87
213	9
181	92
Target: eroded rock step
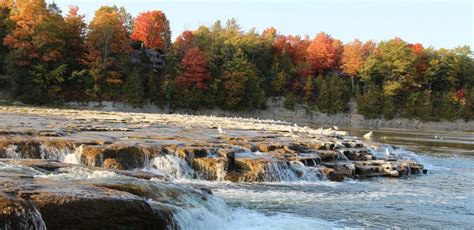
231	159
36	192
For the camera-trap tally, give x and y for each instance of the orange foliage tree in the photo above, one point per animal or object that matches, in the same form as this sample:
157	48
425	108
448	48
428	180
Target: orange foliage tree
354	56
108	48
321	54
26	16
194	70
153	30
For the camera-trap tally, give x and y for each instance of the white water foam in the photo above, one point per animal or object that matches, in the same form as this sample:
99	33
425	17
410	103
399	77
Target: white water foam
278	171
74	157
11	151
13	168
65	155
80	173
172	166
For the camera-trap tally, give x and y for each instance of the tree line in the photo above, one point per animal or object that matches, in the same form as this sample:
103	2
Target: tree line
51	57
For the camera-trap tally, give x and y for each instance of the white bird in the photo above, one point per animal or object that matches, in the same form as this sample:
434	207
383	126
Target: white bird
368	135
387	153
336	128
320	130
220	130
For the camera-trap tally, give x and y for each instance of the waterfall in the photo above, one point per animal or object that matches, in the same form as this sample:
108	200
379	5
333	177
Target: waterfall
296	171
304	172
11	151
74	157
212	214
25	218
220	171
172	166
278	171
65	155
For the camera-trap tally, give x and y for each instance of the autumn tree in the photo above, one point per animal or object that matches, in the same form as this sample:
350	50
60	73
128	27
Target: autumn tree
353	58
36	68
107	51
322	55
153	30
294	46
194	72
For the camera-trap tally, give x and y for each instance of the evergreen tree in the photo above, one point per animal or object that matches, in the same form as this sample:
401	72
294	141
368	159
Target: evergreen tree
134	89
308	90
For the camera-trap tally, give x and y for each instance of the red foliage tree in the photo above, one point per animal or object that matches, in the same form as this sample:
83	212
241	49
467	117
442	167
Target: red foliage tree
293	46
184	42
321	54
152	28
420	65
194	70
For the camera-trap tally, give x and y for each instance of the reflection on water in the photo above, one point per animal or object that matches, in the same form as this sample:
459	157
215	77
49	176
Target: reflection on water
442	198
425	142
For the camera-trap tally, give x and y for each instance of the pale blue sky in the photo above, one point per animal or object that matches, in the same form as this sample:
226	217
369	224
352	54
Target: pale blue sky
439	23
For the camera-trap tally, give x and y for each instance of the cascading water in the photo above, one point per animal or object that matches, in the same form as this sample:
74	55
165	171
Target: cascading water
30	219
11	151
65	155
172	166
74	157
278	171
306	173
53	153
220	171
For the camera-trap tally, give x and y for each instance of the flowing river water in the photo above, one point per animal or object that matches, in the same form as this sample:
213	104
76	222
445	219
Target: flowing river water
443	198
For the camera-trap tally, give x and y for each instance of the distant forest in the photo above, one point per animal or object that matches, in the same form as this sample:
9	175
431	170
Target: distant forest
49	57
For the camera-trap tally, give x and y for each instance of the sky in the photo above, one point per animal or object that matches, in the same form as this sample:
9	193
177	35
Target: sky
437	23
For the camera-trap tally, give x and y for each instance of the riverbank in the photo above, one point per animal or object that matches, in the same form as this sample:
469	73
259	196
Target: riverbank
276	111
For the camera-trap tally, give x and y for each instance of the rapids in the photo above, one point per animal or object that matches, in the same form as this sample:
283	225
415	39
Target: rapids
284	194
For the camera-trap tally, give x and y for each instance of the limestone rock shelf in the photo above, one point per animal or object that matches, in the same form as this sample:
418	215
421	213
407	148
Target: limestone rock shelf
211	148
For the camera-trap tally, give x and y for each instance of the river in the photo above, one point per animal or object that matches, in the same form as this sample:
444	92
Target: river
443	198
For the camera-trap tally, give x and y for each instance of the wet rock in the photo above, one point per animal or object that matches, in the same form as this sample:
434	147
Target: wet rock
267	147
112	163
101	141
127	157
42	202
211	168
